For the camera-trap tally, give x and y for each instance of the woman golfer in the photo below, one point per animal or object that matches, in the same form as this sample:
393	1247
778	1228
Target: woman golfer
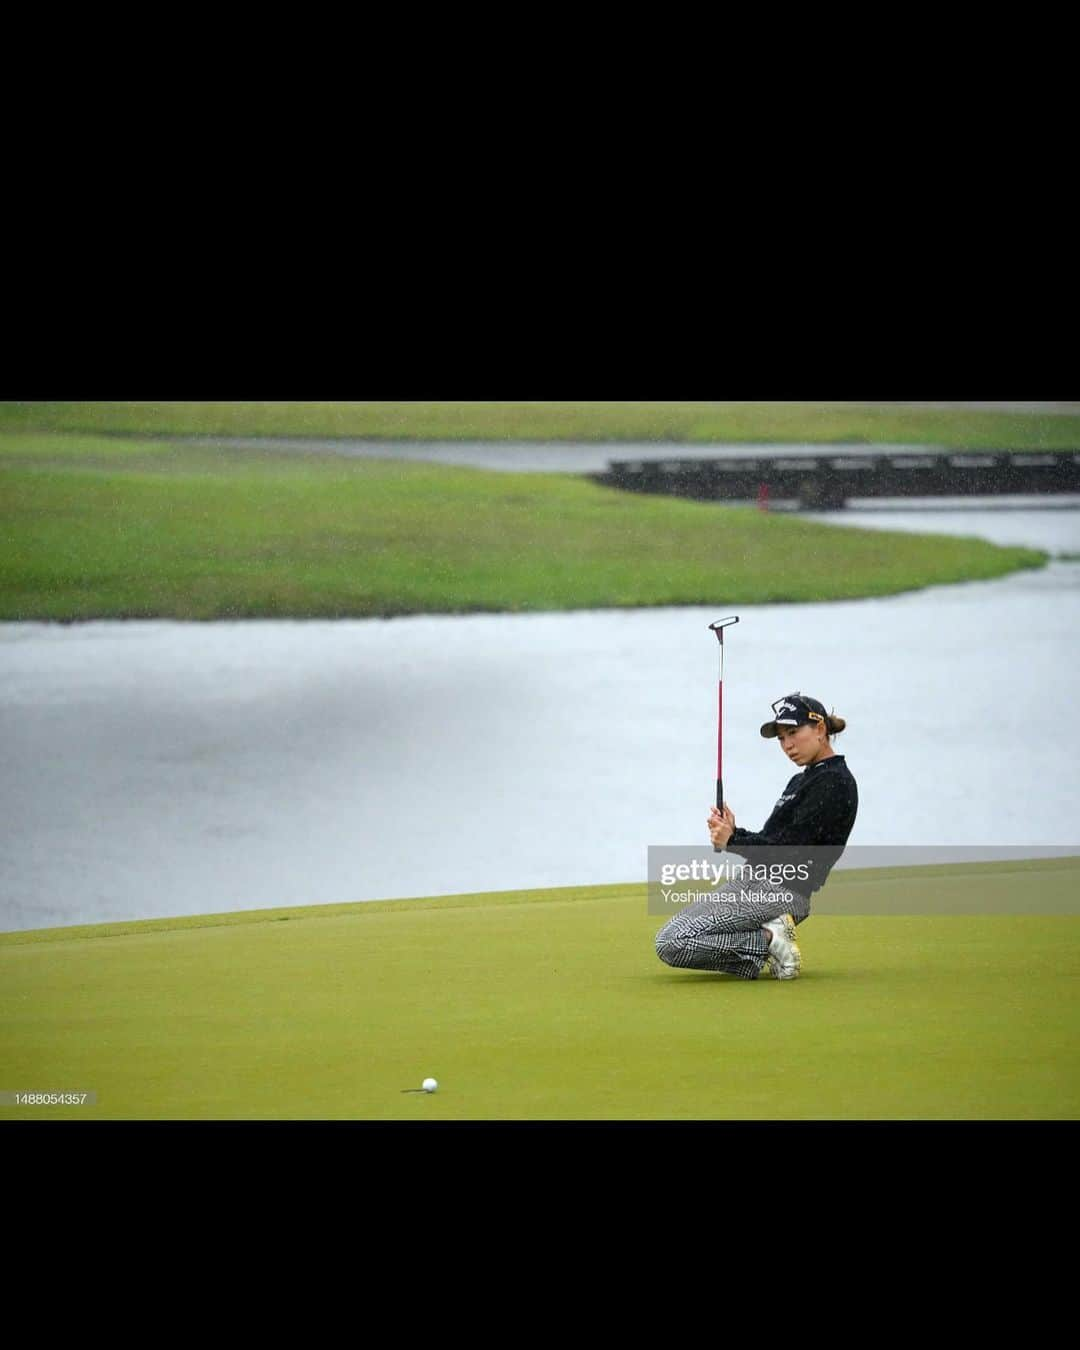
751	925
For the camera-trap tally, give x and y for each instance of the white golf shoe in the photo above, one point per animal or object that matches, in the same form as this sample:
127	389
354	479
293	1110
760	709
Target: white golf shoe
784	960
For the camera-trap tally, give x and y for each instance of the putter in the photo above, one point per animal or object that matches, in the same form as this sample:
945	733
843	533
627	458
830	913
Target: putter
718	628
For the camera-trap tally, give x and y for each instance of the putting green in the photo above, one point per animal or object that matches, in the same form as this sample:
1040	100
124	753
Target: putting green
548	1005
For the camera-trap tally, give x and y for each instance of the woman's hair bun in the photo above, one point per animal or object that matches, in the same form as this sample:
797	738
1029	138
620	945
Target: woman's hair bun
834	725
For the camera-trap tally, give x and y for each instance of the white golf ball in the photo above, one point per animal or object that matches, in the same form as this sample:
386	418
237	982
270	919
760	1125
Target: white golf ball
429	1085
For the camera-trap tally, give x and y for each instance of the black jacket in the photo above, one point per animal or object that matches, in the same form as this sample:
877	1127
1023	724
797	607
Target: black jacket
816	810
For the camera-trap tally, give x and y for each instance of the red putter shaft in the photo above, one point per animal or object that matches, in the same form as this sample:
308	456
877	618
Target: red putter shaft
718	628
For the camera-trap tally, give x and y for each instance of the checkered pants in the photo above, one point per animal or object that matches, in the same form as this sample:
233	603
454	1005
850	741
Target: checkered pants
725	934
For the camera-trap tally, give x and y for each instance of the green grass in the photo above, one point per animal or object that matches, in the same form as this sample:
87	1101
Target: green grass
549	1005
100	527
700	422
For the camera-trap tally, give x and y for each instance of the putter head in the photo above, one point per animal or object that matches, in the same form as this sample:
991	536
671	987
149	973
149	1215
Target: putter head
723	623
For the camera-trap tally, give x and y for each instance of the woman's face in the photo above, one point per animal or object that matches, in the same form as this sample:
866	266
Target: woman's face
804	744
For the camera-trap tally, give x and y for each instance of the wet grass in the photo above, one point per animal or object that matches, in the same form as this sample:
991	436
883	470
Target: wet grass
549	1005
691	423
95	528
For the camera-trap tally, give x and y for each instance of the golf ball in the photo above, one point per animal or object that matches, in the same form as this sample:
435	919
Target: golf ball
429	1085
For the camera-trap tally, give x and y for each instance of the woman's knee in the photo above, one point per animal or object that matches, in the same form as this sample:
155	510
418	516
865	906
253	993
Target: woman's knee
668	947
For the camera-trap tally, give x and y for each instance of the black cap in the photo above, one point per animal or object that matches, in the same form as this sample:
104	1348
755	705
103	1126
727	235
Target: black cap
794	710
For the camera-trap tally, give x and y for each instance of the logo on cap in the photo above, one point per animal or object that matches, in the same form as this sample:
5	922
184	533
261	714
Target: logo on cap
793	710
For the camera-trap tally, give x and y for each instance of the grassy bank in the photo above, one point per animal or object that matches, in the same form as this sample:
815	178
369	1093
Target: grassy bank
98	527
543	1005
692	423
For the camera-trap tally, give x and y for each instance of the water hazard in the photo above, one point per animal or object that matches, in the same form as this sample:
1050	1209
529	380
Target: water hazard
158	768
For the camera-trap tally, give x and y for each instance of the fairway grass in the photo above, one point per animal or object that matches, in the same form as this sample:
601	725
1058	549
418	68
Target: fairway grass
546	420
116	528
552	1005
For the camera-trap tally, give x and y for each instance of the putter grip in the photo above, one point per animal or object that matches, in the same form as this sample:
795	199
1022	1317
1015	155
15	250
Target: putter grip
719	794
